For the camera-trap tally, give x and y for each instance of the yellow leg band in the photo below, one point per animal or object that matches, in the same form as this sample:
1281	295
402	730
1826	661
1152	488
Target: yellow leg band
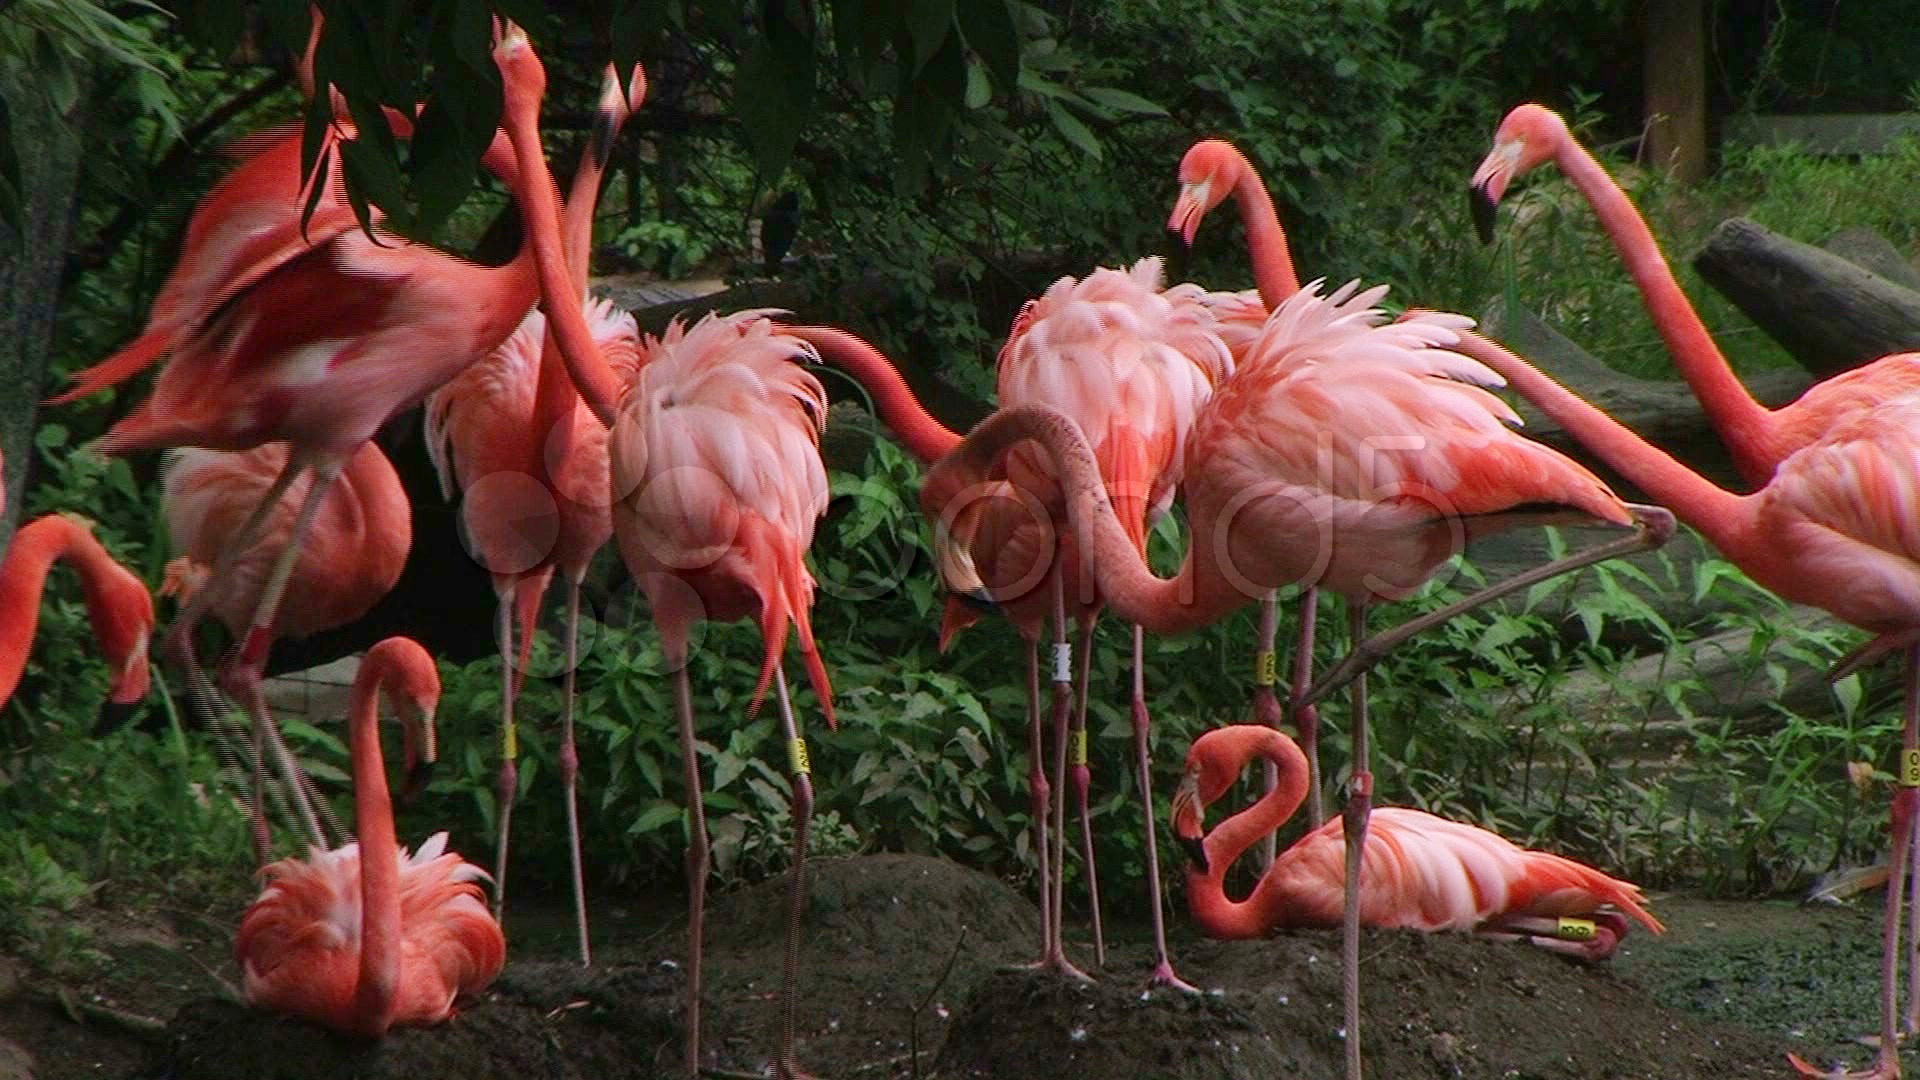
1263	668
509	742
1077	747
1576	930
797	761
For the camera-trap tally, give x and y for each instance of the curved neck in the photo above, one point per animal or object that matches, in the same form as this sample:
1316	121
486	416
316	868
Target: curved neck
1692	498
1266	241
924	437
1742	423
376	994
1187	601
1206	890
35	548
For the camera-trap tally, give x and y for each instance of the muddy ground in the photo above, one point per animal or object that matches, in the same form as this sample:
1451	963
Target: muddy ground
1726	993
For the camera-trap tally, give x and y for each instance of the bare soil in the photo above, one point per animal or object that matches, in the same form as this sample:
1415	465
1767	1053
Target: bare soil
902	977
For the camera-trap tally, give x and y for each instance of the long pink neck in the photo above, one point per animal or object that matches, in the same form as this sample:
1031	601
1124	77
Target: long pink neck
1721	515
1743	424
1198	595
1266	241
376	995
924	437
1206	890
35	548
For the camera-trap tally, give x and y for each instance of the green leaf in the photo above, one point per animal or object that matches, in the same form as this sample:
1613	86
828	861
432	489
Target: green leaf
989	30
1121	100
928	24
773	95
1072	130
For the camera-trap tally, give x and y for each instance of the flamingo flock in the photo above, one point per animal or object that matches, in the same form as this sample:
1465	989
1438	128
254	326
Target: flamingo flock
1312	440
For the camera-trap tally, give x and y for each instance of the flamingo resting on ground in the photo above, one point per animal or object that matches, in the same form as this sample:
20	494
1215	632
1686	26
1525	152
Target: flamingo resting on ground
366	937
1420	872
512	433
354	552
1346	452
1759	438
118	604
1837	527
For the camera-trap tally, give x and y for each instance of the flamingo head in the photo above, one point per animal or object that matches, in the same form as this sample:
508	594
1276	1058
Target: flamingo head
121	611
521	72
956	507
617	103
1189	818
1208	174
410	682
1531	134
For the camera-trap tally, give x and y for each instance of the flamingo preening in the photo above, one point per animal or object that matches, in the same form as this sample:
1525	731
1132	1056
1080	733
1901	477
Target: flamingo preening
367	937
1419	872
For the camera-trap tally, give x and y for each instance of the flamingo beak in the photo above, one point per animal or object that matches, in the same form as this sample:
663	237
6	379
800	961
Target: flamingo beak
1489	183
955	563
130	684
1187	820
1188	209
422	751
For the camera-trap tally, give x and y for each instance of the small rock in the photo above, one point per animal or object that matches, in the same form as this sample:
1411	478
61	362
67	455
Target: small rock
15	1062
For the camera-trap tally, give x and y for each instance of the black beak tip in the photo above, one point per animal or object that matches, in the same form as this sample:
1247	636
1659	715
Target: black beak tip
1196	852
600	143
1482	208
417	779
980	600
112	717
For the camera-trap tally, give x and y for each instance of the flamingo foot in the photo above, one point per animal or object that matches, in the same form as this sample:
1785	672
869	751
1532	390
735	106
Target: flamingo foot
1056	964
1886	1068
1163	976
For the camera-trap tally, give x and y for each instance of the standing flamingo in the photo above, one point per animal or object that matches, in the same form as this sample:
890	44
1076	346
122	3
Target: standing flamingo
1759	438
513	434
366	937
118	604
1278	492
1420	872
1210	171
355	550
1836	527
323	349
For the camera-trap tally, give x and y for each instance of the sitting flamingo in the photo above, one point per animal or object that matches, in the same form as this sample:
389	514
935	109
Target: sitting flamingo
1420	872
395	946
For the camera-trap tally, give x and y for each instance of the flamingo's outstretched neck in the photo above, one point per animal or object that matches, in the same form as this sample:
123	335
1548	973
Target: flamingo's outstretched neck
403	670
118	604
924	437
1273	270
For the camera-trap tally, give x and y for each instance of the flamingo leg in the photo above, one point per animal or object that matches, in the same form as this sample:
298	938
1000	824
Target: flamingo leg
507	782
1082	777
1906	799
697	850
1912	1020
1354	827
570	769
1300	707
802	773
244	673
1266	707
1163	974
246	686
1062	717
1039	801
1654	526
1594	938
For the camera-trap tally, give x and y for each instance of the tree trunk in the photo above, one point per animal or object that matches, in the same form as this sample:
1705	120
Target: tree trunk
48	147
1676	88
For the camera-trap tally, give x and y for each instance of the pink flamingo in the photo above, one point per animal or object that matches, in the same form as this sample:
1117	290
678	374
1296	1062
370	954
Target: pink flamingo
512	433
1210	172
1836	527
1420	872
1277	493
354	552
320	351
1759	438
366	937
118	604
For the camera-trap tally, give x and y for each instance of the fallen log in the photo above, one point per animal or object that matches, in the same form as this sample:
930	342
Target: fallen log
1832	315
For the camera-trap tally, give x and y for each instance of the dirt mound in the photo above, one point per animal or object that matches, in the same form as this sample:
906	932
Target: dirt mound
1442	1005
